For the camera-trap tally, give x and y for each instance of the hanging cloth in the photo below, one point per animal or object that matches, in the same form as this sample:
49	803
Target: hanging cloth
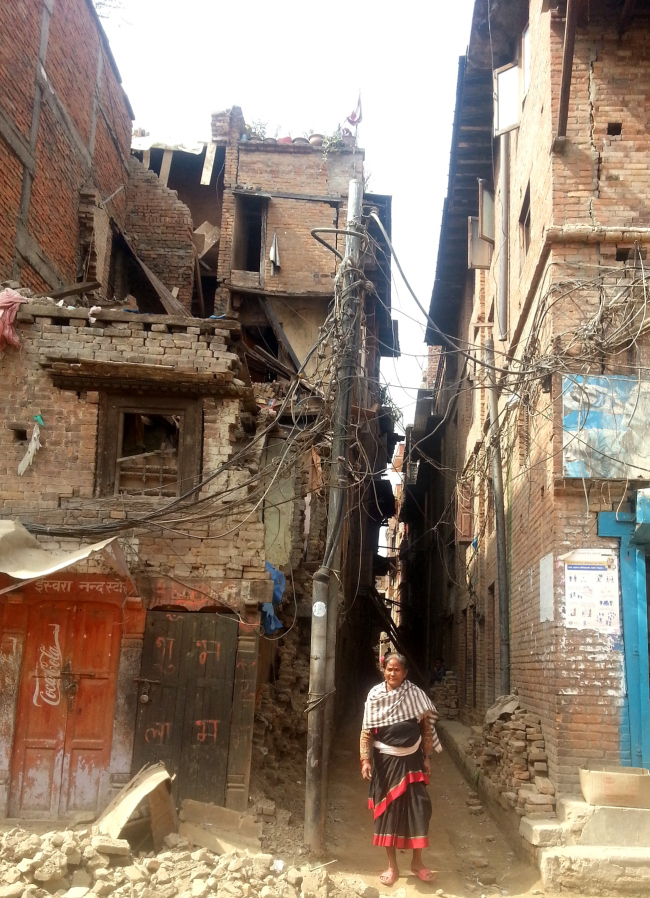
274	254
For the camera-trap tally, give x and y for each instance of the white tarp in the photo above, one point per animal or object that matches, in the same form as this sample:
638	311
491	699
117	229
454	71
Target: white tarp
22	557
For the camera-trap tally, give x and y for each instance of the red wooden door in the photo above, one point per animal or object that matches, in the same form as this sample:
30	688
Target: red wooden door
64	719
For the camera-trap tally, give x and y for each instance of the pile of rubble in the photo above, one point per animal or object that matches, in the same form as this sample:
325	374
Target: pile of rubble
511	753
280	719
444	696
85	864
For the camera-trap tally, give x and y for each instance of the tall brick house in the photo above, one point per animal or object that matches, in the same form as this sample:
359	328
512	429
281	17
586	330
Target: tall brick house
543	247
172	303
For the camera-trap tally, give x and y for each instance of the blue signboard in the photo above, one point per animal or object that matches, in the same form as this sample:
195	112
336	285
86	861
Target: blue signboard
606	427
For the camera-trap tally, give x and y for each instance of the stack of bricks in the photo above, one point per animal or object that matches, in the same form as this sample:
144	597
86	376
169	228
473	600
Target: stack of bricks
70	334
512	756
445	696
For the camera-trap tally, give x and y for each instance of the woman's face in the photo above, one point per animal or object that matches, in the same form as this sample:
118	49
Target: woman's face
394	674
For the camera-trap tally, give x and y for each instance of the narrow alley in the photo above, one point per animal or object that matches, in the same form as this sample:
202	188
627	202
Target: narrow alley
469	853
324	449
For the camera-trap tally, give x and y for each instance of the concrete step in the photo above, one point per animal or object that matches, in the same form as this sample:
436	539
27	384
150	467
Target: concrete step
590	869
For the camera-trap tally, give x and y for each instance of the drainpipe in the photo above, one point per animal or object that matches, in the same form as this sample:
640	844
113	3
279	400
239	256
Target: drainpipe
499	507
504	206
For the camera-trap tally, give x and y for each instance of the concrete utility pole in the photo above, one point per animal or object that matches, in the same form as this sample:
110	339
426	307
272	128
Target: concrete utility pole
325	595
499	507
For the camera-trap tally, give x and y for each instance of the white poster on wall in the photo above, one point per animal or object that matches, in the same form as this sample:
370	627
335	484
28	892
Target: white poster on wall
546	588
592	595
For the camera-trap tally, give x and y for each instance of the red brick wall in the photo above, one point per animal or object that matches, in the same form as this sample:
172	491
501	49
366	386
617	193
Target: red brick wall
71	63
11	181
21	20
53	210
73	74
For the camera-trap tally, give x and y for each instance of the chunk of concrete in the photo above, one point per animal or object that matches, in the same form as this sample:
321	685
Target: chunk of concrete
109	846
540	833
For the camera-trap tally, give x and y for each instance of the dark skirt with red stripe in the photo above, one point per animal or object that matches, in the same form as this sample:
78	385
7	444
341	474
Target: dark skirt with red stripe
398	790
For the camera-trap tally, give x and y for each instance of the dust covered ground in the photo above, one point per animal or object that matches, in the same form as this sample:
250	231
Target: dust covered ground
467	850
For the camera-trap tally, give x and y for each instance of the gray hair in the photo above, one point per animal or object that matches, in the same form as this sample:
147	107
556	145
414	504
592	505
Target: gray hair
395	656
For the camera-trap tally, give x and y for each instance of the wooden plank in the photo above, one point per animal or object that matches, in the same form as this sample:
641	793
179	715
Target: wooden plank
626	14
225	821
208	164
567	66
169	301
92	367
204	837
279	332
166	166
199	285
207	325
71	290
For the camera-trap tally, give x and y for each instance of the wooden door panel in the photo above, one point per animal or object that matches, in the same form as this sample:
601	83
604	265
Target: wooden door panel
41	712
158	730
210	659
188	668
95	656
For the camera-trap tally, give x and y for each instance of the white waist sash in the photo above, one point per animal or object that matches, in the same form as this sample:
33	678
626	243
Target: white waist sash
394	750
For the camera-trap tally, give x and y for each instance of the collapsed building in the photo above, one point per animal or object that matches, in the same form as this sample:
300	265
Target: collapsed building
540	586
166	426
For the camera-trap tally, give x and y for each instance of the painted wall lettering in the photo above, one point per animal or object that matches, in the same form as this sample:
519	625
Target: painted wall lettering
165	646
47	687
158	733
206	730
208	647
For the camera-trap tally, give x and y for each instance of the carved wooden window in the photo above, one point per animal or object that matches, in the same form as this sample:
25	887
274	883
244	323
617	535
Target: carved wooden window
148	446
464	513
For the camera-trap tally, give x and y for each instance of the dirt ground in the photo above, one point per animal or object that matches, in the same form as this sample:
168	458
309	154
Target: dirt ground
464	848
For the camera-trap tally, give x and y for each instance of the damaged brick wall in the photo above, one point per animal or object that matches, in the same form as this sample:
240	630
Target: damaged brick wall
160	227
234	548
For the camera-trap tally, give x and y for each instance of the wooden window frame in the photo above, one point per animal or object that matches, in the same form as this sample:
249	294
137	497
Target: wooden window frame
111	409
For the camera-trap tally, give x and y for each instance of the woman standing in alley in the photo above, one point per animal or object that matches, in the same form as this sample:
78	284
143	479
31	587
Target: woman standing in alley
397	738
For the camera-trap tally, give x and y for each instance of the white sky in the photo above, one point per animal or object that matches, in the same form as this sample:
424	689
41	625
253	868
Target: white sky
300	65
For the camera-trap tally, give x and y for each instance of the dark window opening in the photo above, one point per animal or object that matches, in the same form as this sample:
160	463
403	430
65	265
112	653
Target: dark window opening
247	236
630	253
126	278
148	447
20	433
614	129
524	224
147	462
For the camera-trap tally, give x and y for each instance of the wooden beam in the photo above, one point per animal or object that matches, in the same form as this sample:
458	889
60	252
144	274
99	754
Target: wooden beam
626	14
279	332
166	166
71	290
567	66
199	285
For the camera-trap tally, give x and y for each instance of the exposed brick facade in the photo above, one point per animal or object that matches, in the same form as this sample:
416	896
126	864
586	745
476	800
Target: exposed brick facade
573	679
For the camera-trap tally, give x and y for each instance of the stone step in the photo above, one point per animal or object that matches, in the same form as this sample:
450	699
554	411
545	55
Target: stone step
589	869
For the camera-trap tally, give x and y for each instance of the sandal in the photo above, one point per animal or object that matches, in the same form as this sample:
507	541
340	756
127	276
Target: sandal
389	877
424	874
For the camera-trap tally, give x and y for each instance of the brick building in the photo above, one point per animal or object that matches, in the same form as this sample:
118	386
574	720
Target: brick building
176	355
543	244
